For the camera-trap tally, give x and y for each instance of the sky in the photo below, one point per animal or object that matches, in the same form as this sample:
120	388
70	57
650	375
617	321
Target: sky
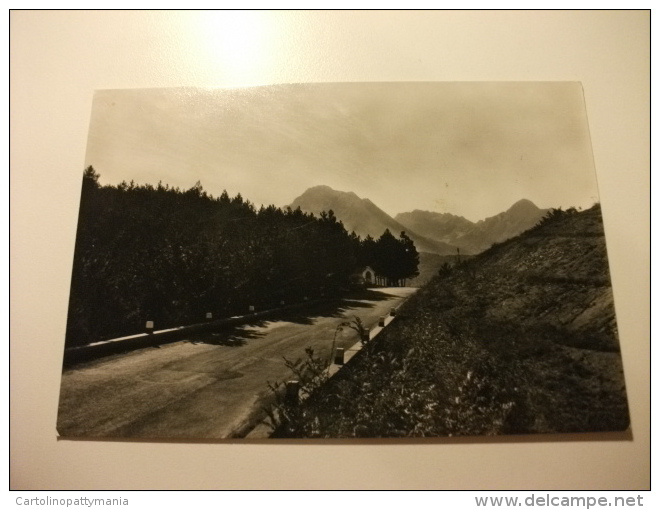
470	149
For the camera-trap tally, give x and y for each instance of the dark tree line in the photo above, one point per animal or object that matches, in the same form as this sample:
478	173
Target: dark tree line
394	260
169	255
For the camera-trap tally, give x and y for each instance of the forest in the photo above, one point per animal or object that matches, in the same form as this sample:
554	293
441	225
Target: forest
161	254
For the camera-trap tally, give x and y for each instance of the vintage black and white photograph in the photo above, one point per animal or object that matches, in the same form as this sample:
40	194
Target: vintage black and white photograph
340	261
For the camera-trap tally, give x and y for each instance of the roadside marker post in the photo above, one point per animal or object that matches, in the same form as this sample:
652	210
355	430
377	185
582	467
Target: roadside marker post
339	356
149	327
292	395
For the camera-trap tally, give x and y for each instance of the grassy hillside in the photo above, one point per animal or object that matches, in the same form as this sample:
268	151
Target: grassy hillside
430	265
520	339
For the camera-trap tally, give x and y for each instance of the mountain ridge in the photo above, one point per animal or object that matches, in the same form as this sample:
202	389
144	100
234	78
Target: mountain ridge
474	237
362	216
432	232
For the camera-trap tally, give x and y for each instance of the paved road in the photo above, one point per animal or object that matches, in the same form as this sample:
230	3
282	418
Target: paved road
209	386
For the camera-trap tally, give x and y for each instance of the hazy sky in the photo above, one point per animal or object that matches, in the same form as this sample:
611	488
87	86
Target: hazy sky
471	149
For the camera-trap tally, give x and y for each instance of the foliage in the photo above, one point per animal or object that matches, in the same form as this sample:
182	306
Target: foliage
556	214
285	415
395	259
167	255
358	326
170	255
445	270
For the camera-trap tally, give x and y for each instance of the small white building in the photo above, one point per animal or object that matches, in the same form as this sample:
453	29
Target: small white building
364	276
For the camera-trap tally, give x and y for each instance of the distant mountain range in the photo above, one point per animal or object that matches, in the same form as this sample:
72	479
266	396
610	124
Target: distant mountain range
439	233
363	217
471	237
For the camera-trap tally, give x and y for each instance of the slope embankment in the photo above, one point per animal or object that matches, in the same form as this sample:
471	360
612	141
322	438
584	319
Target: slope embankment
521	339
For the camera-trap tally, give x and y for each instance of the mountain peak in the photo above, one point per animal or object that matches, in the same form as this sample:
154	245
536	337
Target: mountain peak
320	190
523	205
473	237
323	190
432	232
320	187
360	215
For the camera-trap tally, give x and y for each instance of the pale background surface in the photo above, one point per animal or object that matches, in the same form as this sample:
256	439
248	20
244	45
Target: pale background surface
57	60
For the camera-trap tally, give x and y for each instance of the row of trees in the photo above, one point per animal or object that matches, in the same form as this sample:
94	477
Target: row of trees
169	255
393	259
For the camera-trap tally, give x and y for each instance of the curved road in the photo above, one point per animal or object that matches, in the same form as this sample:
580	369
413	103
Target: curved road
209	386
